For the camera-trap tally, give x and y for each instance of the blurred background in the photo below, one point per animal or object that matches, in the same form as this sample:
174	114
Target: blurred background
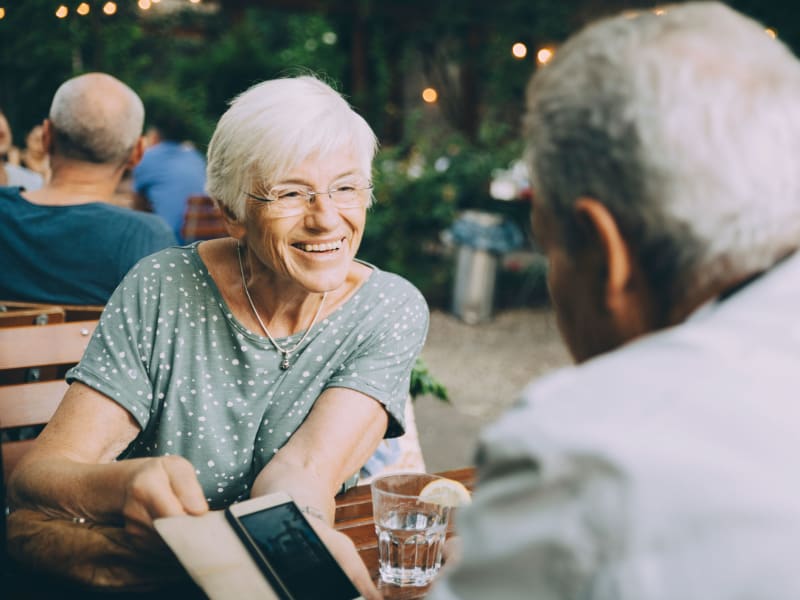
442	84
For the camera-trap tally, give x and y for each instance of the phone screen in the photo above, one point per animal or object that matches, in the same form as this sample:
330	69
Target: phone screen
296	554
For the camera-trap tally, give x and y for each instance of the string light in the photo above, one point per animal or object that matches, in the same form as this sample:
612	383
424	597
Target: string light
83	9
145	4
62	11
659	11
519	50
430	95
110	8
2	12
195	1
544	55
771	32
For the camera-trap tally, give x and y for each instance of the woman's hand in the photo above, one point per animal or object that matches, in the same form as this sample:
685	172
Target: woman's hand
164	486
345	553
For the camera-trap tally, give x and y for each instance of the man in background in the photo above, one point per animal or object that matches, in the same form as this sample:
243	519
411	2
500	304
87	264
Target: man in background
12	174
664	154
171	169
64	243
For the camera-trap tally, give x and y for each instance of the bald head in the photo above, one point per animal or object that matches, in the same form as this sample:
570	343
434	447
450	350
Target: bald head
96	118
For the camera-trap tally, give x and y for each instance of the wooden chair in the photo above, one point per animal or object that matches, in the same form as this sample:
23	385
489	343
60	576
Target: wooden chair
15	314
31	404
202	220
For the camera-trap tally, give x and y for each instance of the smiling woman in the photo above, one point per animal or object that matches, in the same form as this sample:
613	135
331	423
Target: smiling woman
270	360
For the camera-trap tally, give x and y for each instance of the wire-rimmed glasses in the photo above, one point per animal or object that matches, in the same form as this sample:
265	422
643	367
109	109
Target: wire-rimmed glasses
290	200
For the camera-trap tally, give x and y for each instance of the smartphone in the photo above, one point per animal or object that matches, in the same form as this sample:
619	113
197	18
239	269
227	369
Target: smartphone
287	549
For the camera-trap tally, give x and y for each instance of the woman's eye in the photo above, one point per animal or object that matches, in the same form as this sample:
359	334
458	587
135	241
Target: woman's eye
290	194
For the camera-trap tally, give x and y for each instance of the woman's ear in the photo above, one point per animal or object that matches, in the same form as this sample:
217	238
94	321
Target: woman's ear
233	226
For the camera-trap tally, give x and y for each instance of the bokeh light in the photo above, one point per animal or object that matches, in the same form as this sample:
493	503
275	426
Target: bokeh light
145	4
771	32
544	55
110	8
430	95
62	11
519	50
83	9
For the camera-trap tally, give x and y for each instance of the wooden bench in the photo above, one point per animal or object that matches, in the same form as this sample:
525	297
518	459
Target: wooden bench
14	313
31	404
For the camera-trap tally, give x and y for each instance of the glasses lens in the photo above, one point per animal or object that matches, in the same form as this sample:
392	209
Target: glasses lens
288	200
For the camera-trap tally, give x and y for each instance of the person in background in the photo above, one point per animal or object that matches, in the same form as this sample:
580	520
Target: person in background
34	155
64	243
663	149
171	169
269	360
11	173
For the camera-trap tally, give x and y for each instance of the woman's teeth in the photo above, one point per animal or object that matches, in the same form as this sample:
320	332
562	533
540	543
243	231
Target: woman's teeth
321	247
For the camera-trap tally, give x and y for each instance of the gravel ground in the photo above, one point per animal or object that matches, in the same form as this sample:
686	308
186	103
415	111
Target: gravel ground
484	367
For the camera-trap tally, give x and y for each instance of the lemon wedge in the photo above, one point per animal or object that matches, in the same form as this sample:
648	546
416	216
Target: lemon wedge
447	492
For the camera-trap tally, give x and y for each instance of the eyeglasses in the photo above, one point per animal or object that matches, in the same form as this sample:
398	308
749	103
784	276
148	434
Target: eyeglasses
290	200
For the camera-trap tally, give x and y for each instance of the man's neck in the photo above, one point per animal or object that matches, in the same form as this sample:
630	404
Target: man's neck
77	184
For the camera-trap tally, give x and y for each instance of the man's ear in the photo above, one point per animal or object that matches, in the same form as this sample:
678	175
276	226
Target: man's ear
48	136
136	153
614	252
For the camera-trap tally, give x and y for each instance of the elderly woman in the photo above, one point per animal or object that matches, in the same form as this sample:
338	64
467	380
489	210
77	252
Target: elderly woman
269	360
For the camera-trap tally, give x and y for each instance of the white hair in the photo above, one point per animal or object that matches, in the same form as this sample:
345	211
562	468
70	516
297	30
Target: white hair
686	125
274	126
96	118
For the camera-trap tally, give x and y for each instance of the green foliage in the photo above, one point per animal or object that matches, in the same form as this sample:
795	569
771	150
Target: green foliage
423	383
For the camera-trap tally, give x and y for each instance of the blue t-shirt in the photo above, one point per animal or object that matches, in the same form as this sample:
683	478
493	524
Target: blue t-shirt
74	254
167	175
200	385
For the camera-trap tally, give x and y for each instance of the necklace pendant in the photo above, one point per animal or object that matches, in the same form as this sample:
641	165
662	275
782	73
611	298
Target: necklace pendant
285	362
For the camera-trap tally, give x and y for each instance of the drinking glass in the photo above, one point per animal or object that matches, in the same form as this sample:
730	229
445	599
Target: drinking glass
410	531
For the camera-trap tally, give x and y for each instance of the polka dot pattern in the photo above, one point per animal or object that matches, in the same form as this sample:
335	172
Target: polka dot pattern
200	385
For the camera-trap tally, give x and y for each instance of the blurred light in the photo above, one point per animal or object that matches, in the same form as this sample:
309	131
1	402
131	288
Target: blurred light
659	11
519	50
329	38
771	32
195	1
430	95
630	14
2	12
145	4
110	8
544	55
156	1
62	11
311	45
83	9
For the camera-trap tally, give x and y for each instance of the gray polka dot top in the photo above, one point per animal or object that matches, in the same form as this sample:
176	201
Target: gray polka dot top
200	385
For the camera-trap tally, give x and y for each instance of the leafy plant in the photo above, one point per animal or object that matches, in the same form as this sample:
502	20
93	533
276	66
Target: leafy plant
424	383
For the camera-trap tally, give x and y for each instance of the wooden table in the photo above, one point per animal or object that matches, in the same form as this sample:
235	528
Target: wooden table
354	517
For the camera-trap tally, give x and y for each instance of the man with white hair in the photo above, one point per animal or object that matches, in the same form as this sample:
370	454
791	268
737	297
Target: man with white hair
65	243
663	151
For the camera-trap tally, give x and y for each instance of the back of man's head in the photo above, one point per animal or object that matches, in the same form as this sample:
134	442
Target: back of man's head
97	119
685	124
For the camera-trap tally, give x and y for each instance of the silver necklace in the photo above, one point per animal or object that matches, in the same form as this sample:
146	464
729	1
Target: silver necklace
285	352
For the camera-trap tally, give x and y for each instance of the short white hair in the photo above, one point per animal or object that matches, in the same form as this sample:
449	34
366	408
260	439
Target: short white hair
96	118
276	125
686	125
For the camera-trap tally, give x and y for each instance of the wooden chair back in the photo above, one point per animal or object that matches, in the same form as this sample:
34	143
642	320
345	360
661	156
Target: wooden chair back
31	404
203	220
15	314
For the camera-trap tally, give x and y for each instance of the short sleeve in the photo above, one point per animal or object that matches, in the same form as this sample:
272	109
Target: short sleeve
116	360
380	366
